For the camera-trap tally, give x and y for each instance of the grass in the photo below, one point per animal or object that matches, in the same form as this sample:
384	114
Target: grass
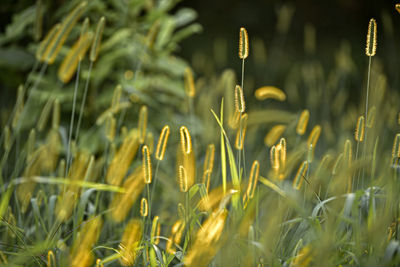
90	198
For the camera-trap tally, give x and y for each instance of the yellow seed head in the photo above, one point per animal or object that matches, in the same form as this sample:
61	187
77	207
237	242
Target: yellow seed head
146	165
253	179
396	150
116	98
110	128
144	207
162	143
274	157
75	54
190	88
51	260
270	92
142	124
347	153
359	133
370	50
129	242
241	132
183	179
46	42
85	27
274	134
240	105
397	6
209	158
303	121
300	175
243	43
314	136
56	115
155	231
44	116
60	37
133	186
282	152
94	51
122	159
186	141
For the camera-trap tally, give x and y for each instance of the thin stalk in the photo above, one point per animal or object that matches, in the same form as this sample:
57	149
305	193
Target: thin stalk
358	171
148	197
155	182
192	124
71	126
83	102
366	117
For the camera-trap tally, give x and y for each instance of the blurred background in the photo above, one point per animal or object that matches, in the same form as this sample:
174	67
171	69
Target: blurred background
281	33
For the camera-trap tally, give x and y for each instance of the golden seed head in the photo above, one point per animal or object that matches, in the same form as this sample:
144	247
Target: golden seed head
129	242
209	158
56	114
46	42
253	179
300	175
274	157
85	26
110	128
240	105
282	151
51	260
155	231
186	141
274	134
162	143
397	6
270	92
75	54
396	150
183	179
44	115
190	88
116	98
241	132
97	39
243	43
359	133
144	207
303	121
310	154
146	165
370	50
347	153
60	37
142	124
314	136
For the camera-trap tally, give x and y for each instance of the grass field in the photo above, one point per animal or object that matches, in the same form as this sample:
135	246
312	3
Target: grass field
118	152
